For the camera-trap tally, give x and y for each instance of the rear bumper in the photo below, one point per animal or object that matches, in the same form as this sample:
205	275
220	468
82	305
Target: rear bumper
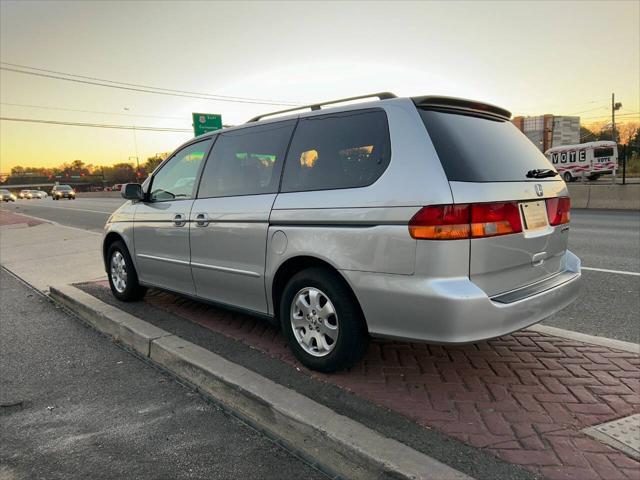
455	310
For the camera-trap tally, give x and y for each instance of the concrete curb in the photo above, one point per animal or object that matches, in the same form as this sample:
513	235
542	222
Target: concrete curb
337	443
585	338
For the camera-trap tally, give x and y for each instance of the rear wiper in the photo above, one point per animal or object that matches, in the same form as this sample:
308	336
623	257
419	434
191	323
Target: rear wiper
541	173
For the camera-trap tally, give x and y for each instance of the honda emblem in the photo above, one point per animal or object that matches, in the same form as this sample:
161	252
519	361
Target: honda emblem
539	191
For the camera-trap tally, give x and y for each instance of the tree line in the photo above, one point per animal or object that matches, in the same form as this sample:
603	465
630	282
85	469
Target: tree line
122	172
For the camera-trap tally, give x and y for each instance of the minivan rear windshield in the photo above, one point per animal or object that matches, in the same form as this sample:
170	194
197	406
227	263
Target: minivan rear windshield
482	149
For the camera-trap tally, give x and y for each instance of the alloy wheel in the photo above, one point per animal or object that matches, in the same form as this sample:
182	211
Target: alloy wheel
314	321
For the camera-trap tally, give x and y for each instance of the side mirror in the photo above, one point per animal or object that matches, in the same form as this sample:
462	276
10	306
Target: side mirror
132	191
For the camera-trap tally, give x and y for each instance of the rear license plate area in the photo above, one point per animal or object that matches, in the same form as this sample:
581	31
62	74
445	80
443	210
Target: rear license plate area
534	215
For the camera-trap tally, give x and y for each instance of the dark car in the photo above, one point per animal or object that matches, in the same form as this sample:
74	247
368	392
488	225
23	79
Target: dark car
63	191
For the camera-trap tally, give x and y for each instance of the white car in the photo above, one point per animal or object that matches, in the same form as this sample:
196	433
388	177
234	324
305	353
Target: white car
39	194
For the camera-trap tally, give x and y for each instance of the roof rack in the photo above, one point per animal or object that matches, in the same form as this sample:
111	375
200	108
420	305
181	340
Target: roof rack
453	103
317	106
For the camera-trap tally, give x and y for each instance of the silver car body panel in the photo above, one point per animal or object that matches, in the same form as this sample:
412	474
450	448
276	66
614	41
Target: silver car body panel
502	263
228	238
231	248
161	240
451	309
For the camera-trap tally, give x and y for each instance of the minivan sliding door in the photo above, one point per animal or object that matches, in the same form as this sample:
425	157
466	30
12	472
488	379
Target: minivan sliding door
230	216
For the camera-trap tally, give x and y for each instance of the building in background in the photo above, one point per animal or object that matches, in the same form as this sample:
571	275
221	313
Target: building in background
547	131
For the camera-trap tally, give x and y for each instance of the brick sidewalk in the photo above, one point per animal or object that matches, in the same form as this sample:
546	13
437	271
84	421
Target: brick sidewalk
10	218
524	397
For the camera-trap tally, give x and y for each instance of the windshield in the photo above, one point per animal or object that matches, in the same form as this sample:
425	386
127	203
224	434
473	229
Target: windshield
4	192
63	187
479	149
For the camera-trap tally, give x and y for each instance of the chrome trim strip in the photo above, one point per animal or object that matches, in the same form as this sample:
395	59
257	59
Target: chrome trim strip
225	269
536	288
163	259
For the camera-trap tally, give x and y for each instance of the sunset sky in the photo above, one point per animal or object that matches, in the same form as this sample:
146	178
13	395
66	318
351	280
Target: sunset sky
563	58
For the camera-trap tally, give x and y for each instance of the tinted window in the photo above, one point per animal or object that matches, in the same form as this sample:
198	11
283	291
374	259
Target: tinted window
477	149
63	187
176	178
246	161
343	150
603	152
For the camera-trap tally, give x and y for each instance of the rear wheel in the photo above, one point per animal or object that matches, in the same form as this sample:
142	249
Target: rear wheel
123	278
567	177
322	320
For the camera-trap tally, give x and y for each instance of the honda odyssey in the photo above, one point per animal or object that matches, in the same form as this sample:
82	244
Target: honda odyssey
427	218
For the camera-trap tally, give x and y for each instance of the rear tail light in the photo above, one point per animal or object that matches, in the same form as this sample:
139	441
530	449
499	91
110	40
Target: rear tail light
558	210
441	222
451	222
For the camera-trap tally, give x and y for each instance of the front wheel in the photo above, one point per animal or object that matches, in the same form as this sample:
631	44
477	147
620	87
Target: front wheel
123	278
322	320
567	177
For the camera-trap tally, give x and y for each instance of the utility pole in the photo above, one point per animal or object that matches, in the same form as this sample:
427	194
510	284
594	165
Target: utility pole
614	107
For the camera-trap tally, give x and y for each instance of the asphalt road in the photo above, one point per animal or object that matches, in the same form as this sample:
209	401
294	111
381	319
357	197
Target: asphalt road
77	406
603	239
85	213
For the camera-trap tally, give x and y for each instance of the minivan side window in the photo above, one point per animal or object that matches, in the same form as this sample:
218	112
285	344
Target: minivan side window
176	179
343	150
247	161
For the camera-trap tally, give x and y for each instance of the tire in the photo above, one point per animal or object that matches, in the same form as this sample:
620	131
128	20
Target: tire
127	288
351	337
567	177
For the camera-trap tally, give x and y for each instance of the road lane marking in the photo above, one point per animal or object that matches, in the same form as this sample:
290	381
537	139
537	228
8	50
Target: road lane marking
620	272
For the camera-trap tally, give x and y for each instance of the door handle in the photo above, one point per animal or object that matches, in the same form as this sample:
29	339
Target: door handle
201	220
179	220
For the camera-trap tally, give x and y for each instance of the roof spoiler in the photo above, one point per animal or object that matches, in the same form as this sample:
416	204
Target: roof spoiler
318	106
460	104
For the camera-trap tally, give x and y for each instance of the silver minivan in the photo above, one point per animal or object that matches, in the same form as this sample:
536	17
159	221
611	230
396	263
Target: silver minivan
426	218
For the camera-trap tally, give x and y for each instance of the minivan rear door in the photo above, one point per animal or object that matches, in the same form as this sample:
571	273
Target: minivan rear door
487	159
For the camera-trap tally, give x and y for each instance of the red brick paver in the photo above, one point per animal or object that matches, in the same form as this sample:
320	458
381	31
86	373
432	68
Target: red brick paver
10	218
524	397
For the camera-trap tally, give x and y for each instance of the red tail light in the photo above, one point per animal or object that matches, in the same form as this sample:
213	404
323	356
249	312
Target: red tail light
450	222
558	210
492	219
441	222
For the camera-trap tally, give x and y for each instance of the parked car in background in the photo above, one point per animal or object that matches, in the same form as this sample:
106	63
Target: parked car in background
424	218
6	195
63	191
23	193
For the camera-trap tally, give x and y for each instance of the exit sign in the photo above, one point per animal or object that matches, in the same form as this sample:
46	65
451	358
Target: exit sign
206	122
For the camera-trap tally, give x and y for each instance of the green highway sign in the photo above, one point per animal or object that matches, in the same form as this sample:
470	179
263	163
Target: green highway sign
206	122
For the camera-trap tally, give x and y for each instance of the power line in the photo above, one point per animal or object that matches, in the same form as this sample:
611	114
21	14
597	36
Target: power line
589	110
156	90
88	111
170	90
275	102
605	116
97	125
